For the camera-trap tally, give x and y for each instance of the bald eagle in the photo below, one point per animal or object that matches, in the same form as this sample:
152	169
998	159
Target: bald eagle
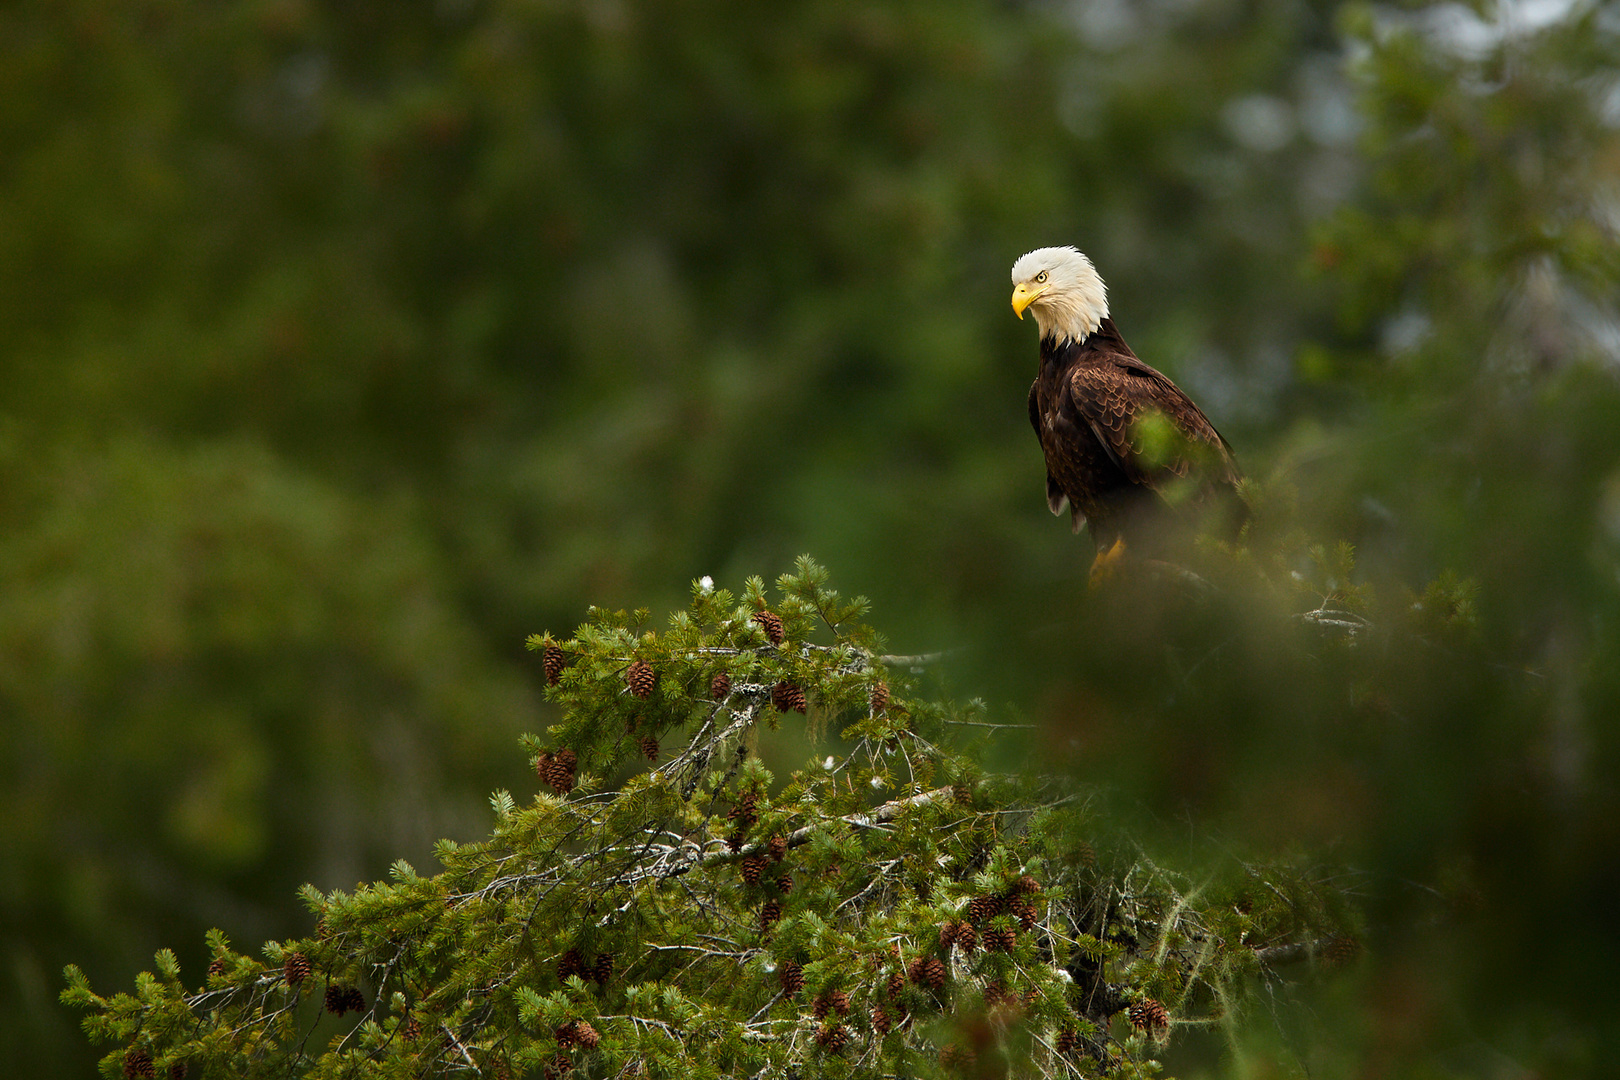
1126	450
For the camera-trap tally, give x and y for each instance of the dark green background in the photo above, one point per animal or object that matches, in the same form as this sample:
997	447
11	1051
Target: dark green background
342	345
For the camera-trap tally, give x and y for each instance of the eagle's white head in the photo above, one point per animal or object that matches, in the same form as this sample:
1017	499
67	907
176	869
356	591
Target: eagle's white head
1061	289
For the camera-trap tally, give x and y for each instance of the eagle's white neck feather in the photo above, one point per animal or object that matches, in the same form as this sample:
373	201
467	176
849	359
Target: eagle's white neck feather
1074	301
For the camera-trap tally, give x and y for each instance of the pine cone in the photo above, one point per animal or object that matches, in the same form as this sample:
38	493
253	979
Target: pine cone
738	837
776	848
832	1038
994	993
602	970
880	697
1000	940
138	1062
746	808
752	867
882	1022
641	679
567	1035
296	969
985	906
411	1029
649	747
586	1034
839	1000
354	1000
1025	911
559	1066
934	973
1150	1016
897	983
1067	1040
551	659
720	686
336	1000
947	935
178	1070
218	967
571	963
820	1006
792	977
560	771
788	697
1339	950
771	623
1026	885
962	794
769	913
967	938
784	883
1086	854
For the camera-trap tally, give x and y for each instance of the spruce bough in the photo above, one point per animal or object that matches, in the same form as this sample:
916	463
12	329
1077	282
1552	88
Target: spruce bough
889	910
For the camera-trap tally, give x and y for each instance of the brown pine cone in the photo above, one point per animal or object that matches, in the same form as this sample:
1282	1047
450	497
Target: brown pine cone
985	906
839	1000
776	847
138	1063
354	1000
559	1066
586	1034
967	938
1026	885
720	686
934	973
820	1006
771	623
784	883
571	963
947	935
788	697
296	969
641	679
752	867
336	1000
1150	1016
897	983
1000	940
411	1029
994	993
218	967
1025	911
1067	1040
880	697
178	1070
746	808
567	1034
602	970
963	794
1086	854
560	771
792	977
1339	950
769	913
738	837
882	1022
649	747
551	659
832	1038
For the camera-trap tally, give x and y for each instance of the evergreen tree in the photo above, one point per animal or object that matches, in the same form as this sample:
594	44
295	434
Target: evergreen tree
664	906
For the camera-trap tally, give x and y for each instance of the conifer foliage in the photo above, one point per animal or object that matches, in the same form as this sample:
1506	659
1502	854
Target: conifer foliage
619	920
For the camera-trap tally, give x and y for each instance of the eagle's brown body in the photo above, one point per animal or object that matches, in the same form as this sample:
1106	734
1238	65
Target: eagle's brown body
1086	405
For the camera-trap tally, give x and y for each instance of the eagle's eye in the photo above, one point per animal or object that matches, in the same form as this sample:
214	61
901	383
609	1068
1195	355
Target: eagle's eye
1040	278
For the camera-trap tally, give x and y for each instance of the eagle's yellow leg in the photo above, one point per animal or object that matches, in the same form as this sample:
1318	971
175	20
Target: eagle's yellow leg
1107	563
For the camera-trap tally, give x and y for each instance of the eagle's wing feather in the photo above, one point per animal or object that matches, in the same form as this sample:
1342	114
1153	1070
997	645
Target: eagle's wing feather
1112	396
1056	498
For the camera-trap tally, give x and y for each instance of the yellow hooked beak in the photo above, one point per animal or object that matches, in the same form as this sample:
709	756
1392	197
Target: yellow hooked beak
1023	296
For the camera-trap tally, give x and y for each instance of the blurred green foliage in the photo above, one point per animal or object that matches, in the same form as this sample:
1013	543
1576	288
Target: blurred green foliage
343	345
